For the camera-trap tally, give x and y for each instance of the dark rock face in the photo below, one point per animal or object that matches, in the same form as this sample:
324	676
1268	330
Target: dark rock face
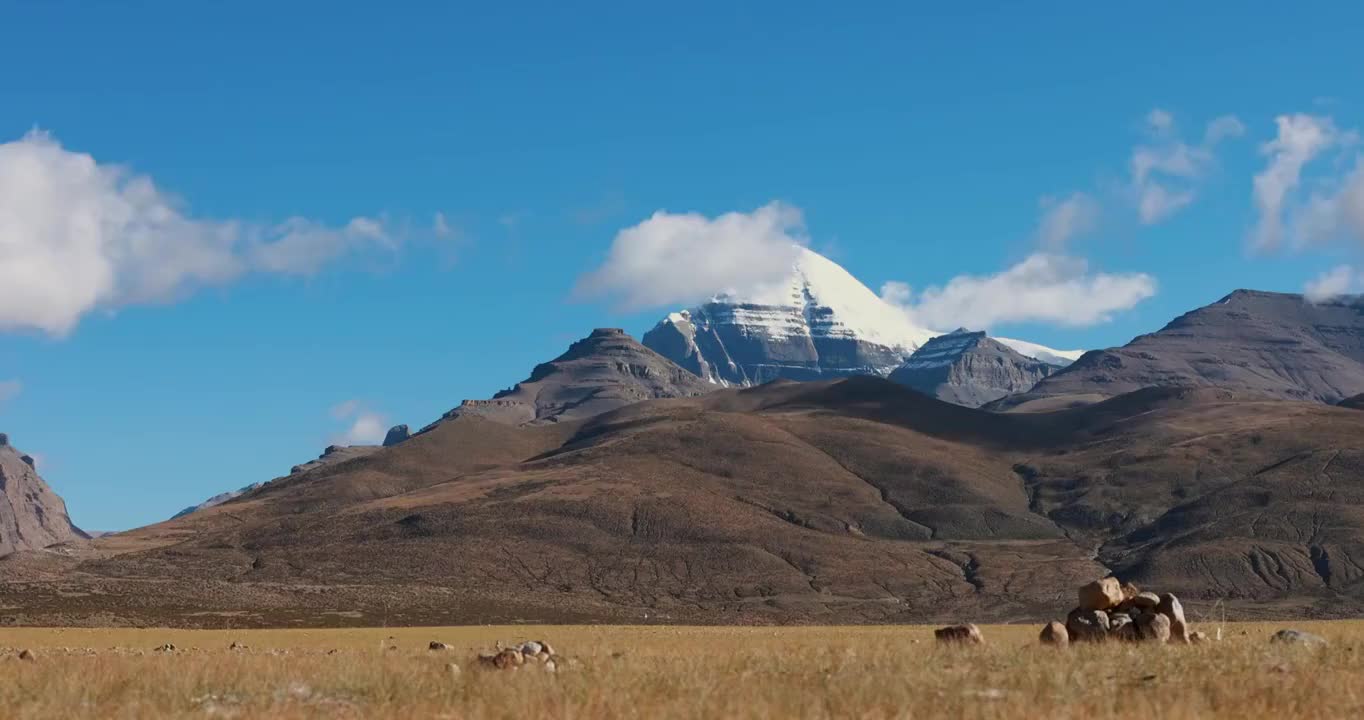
1354	403
968	368
32	516
1263	343
396	434
604	371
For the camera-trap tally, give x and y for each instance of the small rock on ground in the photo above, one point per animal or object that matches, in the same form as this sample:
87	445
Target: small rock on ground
966	634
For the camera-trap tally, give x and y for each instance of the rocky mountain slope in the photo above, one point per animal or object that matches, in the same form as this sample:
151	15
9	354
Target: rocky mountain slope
854	500
819	323
969	368
604	371
32	516
1273	344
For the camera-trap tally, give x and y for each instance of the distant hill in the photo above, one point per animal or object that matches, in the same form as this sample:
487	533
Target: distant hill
970	368
1271	344
603	371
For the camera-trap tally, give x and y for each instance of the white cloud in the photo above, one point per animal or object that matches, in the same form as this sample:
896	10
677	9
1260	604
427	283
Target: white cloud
897	293
1340	280
77	235
1300	139
1160	121
440	226
1166	172
1223	128
677	259
1336	211
9	389
365	427
1067	218
1042	288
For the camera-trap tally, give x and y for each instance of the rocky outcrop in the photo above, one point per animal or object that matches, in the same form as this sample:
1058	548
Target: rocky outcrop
969	368
604	371
32	516
1261	343
334	454
396	434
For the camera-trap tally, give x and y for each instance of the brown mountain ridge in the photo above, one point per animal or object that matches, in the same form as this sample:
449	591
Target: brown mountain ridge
855	500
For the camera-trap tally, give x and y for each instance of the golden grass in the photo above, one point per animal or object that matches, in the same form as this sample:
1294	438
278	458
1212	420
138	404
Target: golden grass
681	672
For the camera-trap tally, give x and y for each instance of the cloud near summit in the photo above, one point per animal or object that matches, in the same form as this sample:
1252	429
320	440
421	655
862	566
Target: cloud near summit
77	235
684	258
1045	288
678	259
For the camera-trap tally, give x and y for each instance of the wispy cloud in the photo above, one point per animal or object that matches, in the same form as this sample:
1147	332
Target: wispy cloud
77	235
1338	281
1045	288
364	426
1301	138
1166	171
1066	218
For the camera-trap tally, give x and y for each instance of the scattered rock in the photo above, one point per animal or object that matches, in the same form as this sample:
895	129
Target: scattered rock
165	648
1087	625
1153	627
1130	591
1123	628
1101	594
532	648
1055	634
1297	637
1146	601
452	669
1198	637
28	655
1171	608
236	646
967	634
438	645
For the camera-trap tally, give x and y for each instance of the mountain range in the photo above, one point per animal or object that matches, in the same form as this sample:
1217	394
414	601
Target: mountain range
850	500
1272	344
1217	457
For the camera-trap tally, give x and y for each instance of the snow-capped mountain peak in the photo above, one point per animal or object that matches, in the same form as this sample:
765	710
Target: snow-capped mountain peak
818	322
833	303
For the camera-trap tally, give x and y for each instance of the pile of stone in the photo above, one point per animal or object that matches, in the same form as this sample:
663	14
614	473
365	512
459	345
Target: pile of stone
534	653
1112	610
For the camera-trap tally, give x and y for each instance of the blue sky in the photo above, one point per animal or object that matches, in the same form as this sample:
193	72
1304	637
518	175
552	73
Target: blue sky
919	145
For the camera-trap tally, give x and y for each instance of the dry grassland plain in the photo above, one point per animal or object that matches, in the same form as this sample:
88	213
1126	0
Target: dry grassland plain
676	672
